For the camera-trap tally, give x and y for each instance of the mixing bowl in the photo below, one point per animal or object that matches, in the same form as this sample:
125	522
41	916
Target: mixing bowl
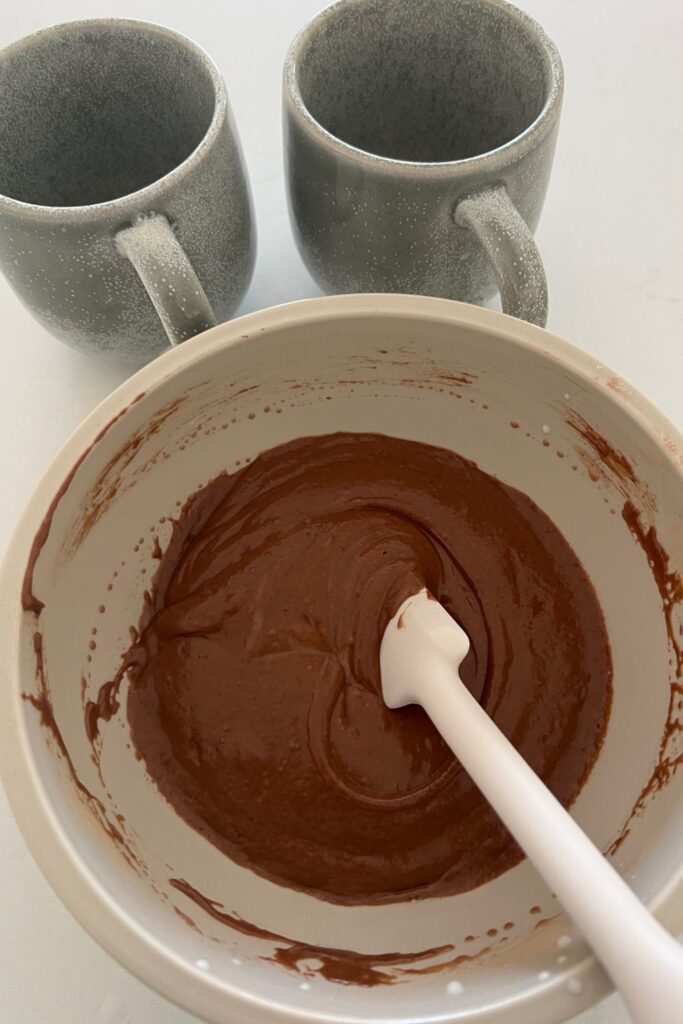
542	416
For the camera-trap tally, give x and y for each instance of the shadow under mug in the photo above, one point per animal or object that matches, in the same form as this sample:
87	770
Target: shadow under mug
121	182
419	139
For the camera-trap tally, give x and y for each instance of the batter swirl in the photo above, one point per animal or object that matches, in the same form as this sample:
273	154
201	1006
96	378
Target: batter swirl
255	701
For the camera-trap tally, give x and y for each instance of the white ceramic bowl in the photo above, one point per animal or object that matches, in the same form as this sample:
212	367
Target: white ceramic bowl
426	369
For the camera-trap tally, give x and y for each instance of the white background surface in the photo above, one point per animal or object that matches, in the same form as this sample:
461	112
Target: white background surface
611	238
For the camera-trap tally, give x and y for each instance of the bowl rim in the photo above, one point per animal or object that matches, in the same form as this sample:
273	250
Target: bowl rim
59	861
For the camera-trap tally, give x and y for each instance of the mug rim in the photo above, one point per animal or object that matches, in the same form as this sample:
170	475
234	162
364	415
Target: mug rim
492	159
131	201
59	859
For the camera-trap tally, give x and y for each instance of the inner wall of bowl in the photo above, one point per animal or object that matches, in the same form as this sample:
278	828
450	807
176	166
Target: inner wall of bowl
431	381
429	81
94	112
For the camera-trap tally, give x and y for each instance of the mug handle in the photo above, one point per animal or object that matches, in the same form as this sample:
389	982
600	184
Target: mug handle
168	276
511	248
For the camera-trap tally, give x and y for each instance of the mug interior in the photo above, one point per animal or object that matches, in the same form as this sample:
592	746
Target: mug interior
428	81
459	381
93	111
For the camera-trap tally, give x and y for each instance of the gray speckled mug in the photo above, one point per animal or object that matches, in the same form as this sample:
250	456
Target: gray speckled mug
125	214
419	140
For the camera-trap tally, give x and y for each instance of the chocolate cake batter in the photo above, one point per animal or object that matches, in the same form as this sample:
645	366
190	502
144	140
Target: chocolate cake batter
255	695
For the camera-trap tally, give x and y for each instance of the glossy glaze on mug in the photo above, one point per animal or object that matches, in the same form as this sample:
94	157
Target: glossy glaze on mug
374	180
104	122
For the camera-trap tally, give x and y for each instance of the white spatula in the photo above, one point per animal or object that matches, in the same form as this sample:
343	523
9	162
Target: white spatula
420	657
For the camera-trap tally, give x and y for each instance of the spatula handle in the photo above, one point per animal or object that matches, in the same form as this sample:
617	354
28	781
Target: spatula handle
643	959
645	962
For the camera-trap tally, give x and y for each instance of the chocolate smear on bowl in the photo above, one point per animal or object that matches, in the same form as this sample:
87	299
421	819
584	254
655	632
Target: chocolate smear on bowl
343	966
606	463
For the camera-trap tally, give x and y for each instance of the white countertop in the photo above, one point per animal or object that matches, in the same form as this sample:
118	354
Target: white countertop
611	242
